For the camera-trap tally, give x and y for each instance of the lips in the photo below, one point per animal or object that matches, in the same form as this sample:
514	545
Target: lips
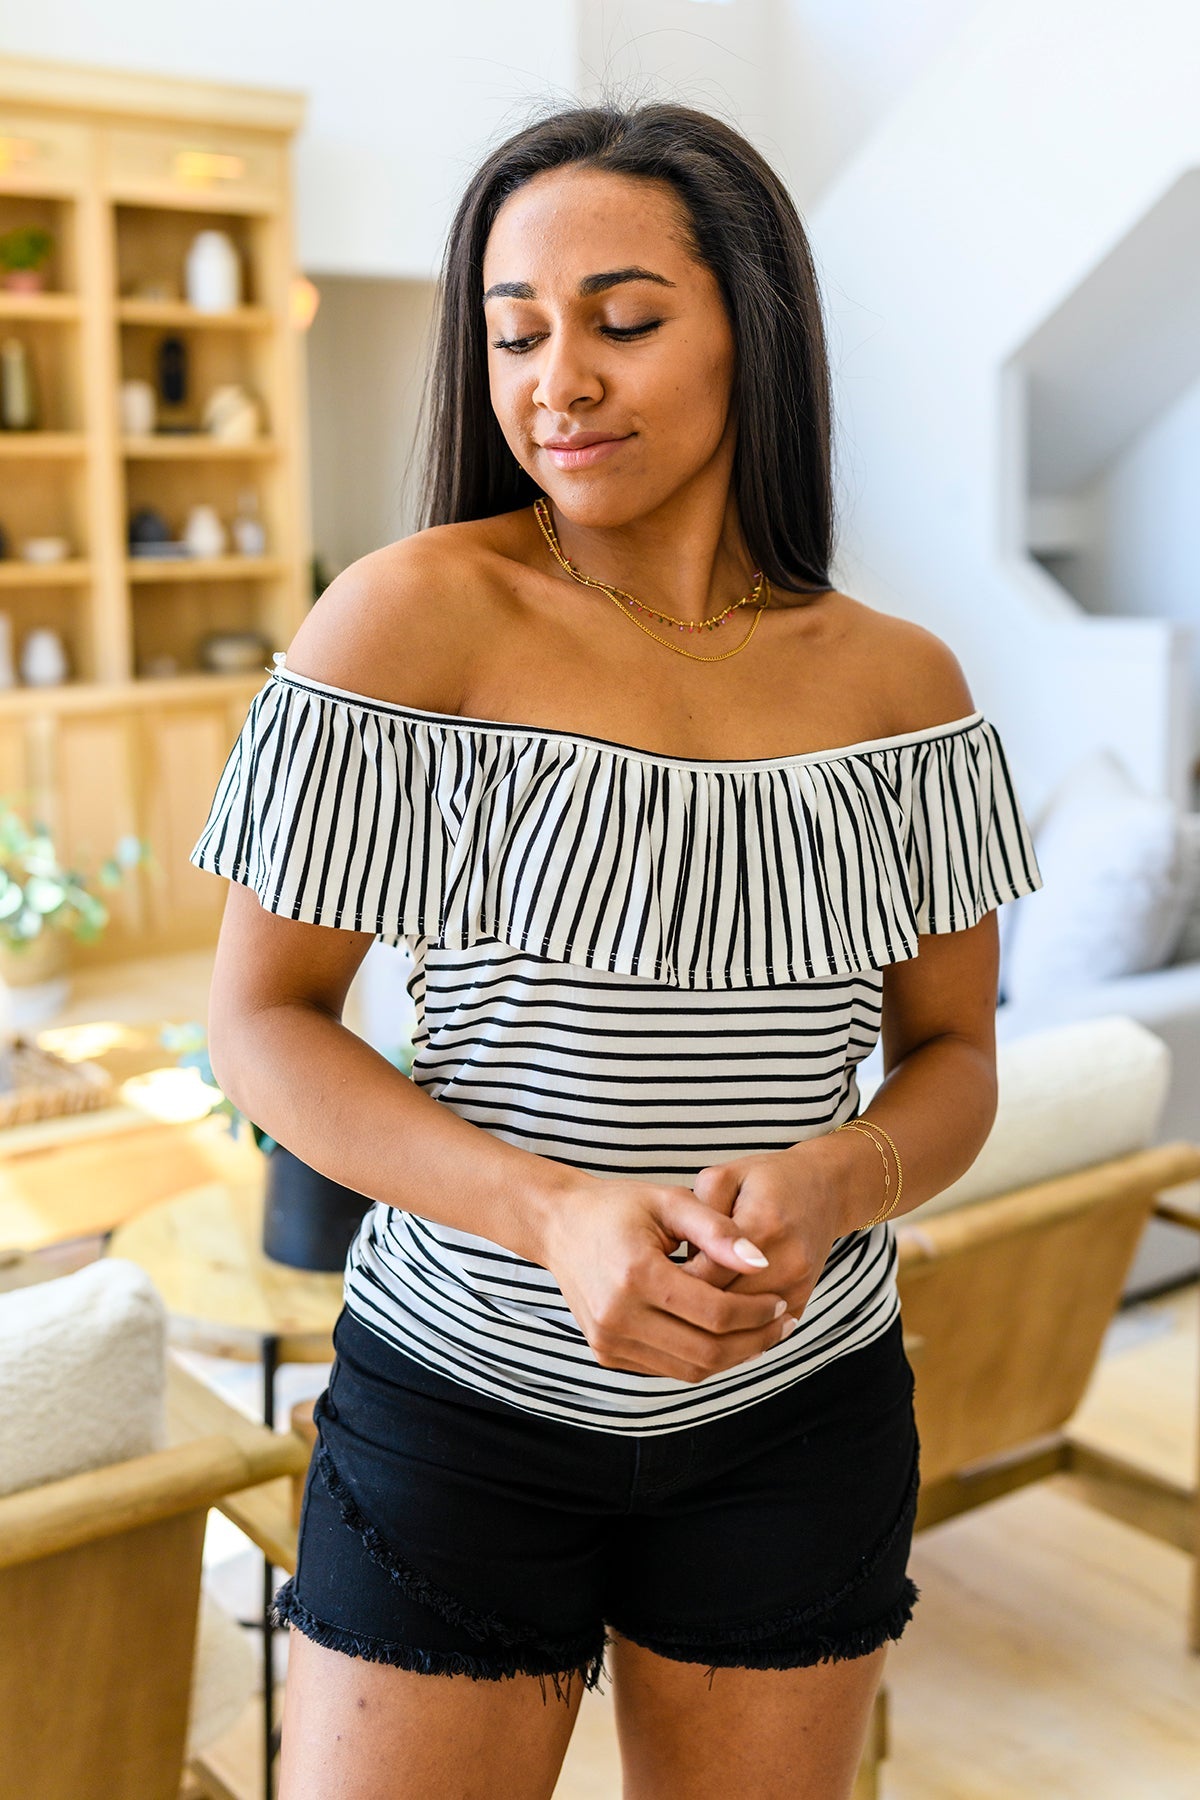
579	440
581	452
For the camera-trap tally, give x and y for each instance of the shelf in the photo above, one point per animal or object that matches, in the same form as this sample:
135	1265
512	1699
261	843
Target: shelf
175	314
42	443
204	568
39	306
124	171
118	696
15	572
171	448
199	683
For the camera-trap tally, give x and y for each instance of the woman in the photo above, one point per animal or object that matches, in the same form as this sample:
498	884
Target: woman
620	1367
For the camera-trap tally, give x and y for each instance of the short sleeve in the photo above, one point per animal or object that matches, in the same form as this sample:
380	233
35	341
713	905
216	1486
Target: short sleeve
968	844
325	811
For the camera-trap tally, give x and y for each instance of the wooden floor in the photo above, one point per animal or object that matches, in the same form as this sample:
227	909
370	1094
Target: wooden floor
1046	1654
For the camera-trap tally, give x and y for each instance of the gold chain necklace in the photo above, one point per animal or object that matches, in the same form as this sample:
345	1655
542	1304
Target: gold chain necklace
541	507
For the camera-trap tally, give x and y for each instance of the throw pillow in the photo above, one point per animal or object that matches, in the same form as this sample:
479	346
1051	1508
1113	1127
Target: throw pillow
82	1373
1114	893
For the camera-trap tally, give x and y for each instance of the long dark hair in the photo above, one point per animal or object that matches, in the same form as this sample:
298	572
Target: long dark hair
743	226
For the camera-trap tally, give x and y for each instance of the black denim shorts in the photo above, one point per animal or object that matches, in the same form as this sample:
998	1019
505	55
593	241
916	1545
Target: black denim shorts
449	1532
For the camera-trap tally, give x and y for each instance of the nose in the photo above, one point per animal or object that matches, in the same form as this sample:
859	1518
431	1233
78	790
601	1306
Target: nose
566	373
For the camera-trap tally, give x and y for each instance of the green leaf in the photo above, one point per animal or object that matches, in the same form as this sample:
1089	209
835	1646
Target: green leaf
43	894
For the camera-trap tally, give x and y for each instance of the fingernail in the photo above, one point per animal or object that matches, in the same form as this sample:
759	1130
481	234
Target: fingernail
780	1310
788	1329
750	1253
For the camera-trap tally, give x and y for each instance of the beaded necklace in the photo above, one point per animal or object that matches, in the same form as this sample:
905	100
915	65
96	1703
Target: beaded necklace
541	507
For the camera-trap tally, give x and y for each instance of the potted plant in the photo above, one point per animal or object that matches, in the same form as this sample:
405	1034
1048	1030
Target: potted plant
42	904
24	252
309	1219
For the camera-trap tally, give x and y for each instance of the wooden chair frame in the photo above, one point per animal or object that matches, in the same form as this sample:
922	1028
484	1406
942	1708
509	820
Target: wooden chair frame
1006	1302
99	1597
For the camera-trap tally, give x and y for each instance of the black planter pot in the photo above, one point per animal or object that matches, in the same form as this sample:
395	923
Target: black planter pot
308	1219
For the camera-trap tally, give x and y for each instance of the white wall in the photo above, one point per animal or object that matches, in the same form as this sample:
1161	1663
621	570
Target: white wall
1141	556
403	98
806	80
836	67
717	58
1034	143
366	353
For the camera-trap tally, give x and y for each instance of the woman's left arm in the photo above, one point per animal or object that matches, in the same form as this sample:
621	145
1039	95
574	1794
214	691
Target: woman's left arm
938	1097
937	1100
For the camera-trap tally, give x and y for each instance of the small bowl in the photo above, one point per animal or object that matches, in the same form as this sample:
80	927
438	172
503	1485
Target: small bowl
232	652
45	550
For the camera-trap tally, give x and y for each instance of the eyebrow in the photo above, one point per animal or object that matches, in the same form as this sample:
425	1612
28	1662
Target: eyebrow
590	284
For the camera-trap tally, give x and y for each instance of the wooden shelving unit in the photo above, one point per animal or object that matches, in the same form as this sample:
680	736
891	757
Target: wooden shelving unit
124	170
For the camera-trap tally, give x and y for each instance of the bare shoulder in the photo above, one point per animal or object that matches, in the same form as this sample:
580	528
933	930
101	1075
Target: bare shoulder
918	678
398	623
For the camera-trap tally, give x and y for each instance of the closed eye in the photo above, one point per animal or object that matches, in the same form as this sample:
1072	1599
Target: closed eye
519	346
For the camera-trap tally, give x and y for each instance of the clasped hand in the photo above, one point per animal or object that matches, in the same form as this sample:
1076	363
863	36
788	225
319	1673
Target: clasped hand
792	1215
642	1309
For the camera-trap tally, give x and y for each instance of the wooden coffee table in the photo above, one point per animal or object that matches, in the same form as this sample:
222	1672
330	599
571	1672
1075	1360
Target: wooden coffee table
203	1251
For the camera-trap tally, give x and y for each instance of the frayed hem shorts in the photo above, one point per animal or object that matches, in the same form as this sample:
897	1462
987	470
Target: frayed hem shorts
447	1532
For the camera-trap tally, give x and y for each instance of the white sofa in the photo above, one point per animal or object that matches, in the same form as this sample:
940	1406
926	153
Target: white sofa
1167	1002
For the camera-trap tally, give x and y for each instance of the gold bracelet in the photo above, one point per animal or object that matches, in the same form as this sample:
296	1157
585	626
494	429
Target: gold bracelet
874	1126
871	1125
853	1125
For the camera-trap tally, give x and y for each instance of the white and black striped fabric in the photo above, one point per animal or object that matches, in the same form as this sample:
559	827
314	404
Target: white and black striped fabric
636	964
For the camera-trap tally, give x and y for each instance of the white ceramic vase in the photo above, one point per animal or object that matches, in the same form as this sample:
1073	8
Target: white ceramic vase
204	533
43	657
214	273
35	985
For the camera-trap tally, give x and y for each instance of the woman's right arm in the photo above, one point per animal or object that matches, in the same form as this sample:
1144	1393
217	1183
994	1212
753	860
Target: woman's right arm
280	1051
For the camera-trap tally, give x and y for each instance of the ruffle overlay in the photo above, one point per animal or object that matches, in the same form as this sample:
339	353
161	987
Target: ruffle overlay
347	811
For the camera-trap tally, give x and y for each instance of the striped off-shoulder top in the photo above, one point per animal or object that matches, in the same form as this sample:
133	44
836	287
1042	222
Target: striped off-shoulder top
632	963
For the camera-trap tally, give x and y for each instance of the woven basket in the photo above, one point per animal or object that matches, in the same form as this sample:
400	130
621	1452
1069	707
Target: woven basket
36	1084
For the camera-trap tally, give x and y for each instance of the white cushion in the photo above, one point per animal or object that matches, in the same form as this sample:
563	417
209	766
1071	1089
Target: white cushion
83	1384
82	1373
1067	1097
1115	889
